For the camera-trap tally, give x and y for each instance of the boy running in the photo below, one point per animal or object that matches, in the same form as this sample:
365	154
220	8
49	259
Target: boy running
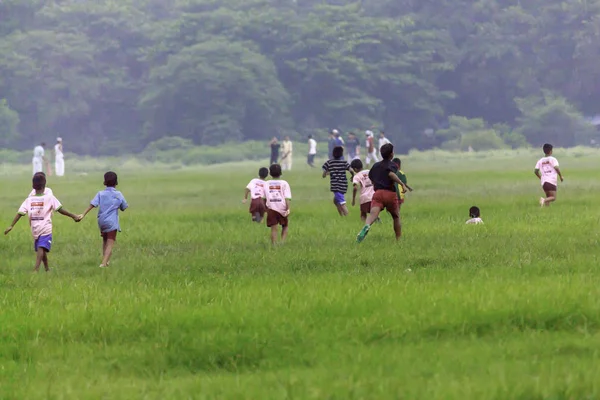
40	207
338	183
362	182
547	171
257	188
108	202
278	196
401	191
383	175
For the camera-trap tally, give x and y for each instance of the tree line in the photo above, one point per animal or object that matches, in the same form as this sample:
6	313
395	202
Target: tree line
112	76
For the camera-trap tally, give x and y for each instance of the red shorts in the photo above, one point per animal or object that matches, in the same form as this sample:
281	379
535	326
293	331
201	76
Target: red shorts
388	200
274	218
365	208
258	206
109	235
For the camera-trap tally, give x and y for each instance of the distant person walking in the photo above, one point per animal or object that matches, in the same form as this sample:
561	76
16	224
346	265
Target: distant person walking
39	158
59	159
287	152
312	151
382	141
274	150
353	147
370	145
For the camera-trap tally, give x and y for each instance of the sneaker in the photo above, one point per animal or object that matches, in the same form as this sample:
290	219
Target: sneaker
363	233
542	202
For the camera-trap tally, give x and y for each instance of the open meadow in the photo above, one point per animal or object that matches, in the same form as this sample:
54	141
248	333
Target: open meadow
197	304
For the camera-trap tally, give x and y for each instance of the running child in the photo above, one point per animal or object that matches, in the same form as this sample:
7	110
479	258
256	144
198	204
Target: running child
47	190
383	175
475	215
278	196
338	183
108	201
547	171
40	208
256	187
362	182
401	192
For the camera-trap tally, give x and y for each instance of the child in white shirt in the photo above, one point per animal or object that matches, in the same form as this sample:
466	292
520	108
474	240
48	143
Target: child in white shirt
475	215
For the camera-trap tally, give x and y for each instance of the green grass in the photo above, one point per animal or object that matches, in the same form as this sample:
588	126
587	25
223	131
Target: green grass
197	304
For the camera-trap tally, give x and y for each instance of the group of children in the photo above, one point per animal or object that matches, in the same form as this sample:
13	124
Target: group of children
41	204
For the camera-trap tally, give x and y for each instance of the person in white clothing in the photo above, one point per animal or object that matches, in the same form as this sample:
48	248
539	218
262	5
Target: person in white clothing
382	140
59	158
286	154
39	158
312	151
475	215
370	146
548	172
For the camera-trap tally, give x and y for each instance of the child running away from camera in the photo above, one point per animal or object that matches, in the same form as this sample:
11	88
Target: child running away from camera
108	202
401	192
547	171
39	207
383	175
256	188
338	182
278	196
362	183
475	215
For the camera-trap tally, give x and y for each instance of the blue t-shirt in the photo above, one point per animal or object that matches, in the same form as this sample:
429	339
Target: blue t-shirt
109	202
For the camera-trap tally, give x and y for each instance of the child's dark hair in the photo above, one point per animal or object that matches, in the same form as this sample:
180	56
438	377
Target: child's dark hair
474	212
338	152
356	164
110	179
397	161
387	151
275	170
39	181
547	148
263	173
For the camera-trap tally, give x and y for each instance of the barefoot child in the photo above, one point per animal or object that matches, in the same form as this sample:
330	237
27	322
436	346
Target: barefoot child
256	187
278	196
39	208
362	182
547	172
336	169
109	202
475	215
401	192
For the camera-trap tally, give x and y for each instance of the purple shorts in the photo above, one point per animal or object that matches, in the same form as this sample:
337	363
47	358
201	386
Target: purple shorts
44	242
338	198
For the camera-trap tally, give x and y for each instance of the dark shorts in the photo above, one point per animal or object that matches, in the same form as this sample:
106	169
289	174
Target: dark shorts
548	187
274	218
109	235
258	206
339	198
365	208
388	200
43	242
311	158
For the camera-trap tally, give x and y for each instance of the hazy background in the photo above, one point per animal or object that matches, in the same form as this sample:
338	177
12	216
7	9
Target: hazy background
111	77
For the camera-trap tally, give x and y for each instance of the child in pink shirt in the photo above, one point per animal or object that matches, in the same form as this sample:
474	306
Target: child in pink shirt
39	208
278	196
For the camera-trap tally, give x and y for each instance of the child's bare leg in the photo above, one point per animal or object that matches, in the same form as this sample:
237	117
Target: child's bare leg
45	261
363	217
38	259
108	251
373	215
345	211
284	233
398	227
550	197
274	234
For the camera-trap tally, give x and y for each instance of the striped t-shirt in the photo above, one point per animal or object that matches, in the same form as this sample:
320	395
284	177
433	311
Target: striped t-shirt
337	175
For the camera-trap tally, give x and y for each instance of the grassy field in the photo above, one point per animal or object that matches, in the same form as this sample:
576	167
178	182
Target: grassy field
198	305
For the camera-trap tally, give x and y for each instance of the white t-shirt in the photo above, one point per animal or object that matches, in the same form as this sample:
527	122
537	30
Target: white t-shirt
58	151
475	221
383	141
256	188
286	147
312	146
40	209
366	186
276	192
547	166
38	153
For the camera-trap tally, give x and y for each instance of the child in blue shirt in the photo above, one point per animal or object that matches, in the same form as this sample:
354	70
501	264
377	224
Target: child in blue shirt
108	202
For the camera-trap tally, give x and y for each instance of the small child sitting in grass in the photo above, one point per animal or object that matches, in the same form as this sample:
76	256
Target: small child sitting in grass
475	215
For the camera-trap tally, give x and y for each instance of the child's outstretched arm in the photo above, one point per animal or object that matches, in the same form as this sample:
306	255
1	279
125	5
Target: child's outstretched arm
246	193
537	173
90	208
559	173
15	220
75	218
354	191
395	178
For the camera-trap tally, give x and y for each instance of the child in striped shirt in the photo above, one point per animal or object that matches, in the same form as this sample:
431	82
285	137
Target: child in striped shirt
336	169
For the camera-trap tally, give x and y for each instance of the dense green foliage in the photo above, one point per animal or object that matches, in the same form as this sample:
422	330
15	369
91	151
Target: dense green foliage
111	76
197	304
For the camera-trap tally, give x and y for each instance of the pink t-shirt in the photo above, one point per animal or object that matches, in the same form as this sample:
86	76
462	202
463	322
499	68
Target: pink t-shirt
276	191
40	209
366	186
46	191
256	188
547	166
